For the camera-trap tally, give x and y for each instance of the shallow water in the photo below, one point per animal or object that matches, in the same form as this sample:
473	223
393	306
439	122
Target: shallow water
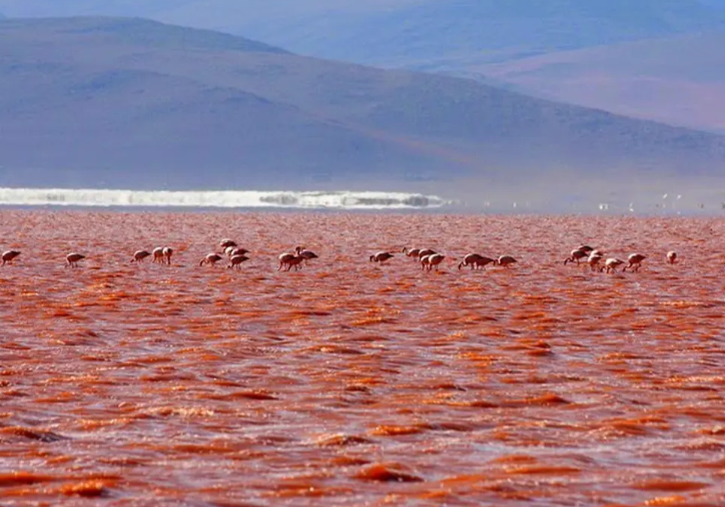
350	383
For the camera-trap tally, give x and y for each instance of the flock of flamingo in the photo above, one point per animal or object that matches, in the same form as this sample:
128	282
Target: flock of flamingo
428	258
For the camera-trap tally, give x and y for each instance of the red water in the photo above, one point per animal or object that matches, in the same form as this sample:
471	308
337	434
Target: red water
350	383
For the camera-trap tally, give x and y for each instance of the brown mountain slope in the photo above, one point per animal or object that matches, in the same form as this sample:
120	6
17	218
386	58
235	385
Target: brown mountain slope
119	102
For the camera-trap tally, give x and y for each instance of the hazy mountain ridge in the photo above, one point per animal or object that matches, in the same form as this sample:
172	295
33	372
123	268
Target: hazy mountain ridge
677	80
83	100
414	33
480	39
433	33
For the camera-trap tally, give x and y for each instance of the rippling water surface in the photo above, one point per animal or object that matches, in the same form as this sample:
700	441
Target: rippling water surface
350	383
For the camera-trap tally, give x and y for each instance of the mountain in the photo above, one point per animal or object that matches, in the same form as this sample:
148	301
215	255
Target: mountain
414	34
678	80
435	35
131	103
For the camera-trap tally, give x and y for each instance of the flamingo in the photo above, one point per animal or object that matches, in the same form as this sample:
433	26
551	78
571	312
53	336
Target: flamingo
672	257
158	254
238	251
73	258
505	260
381	257
140	255
210	258
428	261
307	255
167	252
237	260
425	251
475	261
226	242
576	255
9	256
611	264
593	260
290	260
635	261
414	252
284	259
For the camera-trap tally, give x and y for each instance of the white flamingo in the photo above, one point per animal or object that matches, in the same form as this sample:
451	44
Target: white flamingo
158	254
167	252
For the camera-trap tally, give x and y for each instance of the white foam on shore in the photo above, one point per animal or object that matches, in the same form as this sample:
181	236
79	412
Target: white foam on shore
217	199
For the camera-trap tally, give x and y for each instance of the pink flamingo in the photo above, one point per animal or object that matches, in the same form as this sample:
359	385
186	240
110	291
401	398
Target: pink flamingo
307	255
236	261
9	256
611	264
635	262
576	255
238	251
427	262
414	252
475	261
73	258
140	255
290	260
505	260
210	258
381	257
593	260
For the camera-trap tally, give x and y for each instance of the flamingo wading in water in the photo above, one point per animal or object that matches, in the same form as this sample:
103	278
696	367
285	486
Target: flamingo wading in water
475	261
576	255
72	259
140	255
611	264
210	258
158	254
506	261
9	256
236	261
381	257
427	262
635	262
167	252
